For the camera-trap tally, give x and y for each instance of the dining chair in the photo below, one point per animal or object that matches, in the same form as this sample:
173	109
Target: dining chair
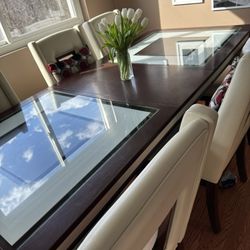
245	50
8	97
246	47
229	137
61	54
89	30
168	183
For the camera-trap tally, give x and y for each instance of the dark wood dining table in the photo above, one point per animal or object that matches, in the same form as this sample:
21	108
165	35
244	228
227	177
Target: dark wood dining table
168	90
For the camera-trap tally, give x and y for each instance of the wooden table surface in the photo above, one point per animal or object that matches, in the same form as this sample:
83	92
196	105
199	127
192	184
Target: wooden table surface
171	90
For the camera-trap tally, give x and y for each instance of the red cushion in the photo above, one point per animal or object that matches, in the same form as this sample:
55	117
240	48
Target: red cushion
220	92
218	96
67	67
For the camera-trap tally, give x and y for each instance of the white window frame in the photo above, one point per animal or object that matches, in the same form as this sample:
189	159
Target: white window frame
10	44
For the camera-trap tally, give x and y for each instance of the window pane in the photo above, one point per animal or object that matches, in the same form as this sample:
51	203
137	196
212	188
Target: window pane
24	16
2	38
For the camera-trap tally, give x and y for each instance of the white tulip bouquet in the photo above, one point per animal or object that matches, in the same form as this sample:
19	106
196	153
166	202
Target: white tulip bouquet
119	36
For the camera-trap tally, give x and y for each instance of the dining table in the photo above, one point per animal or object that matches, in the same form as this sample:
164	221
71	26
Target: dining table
69	151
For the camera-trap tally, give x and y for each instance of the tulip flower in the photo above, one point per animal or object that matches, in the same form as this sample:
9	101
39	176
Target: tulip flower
119	34
137	15
130	13
124	12
117	20
144	22
104	21
101	27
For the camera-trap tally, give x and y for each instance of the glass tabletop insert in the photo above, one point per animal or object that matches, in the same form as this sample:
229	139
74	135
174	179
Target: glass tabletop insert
186	48
55	142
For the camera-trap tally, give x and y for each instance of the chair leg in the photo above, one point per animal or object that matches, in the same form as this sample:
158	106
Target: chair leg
248	136
212	206
240	159
180	246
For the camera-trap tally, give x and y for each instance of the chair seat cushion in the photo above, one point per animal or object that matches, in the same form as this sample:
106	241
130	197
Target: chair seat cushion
76	62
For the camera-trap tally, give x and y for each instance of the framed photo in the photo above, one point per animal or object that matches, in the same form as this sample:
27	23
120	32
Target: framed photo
230	4
191	53
179	2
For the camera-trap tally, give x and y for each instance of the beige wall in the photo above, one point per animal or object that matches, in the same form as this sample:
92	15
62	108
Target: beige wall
21	71
149	7
96	7
199	15
162	14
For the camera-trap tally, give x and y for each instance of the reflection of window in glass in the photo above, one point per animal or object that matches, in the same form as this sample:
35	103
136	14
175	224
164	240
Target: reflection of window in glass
22	16
192	53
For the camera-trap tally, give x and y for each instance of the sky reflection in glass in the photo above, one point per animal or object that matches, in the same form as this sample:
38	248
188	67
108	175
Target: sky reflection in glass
28	159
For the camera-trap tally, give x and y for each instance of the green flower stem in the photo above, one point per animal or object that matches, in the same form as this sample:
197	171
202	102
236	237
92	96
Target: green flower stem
124	64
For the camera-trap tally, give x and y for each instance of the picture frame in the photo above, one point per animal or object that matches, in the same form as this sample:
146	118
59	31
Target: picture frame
230	4
182	2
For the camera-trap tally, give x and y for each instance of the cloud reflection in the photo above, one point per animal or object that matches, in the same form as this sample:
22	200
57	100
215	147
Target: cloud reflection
11	140
63	138
92	130
38	129
28	155
16	196
75	103
1	160
31	114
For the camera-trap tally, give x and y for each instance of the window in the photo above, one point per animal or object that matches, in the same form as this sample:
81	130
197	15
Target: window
26	20
2	37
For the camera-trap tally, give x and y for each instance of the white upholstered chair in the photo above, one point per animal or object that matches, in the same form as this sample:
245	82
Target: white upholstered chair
89	32
169	181
229	137
48	49
245	50
8	97
246	47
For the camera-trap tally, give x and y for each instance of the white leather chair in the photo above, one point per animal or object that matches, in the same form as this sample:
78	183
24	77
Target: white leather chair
89	31
246	47
232	126
245	50
48	49
8	97
169	181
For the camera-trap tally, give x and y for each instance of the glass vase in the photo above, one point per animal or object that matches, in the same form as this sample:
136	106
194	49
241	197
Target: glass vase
125	65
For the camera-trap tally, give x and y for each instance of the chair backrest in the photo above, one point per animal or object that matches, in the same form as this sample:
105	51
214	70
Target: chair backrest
89	32
233	122
246	47
8	97
48	49
170	180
